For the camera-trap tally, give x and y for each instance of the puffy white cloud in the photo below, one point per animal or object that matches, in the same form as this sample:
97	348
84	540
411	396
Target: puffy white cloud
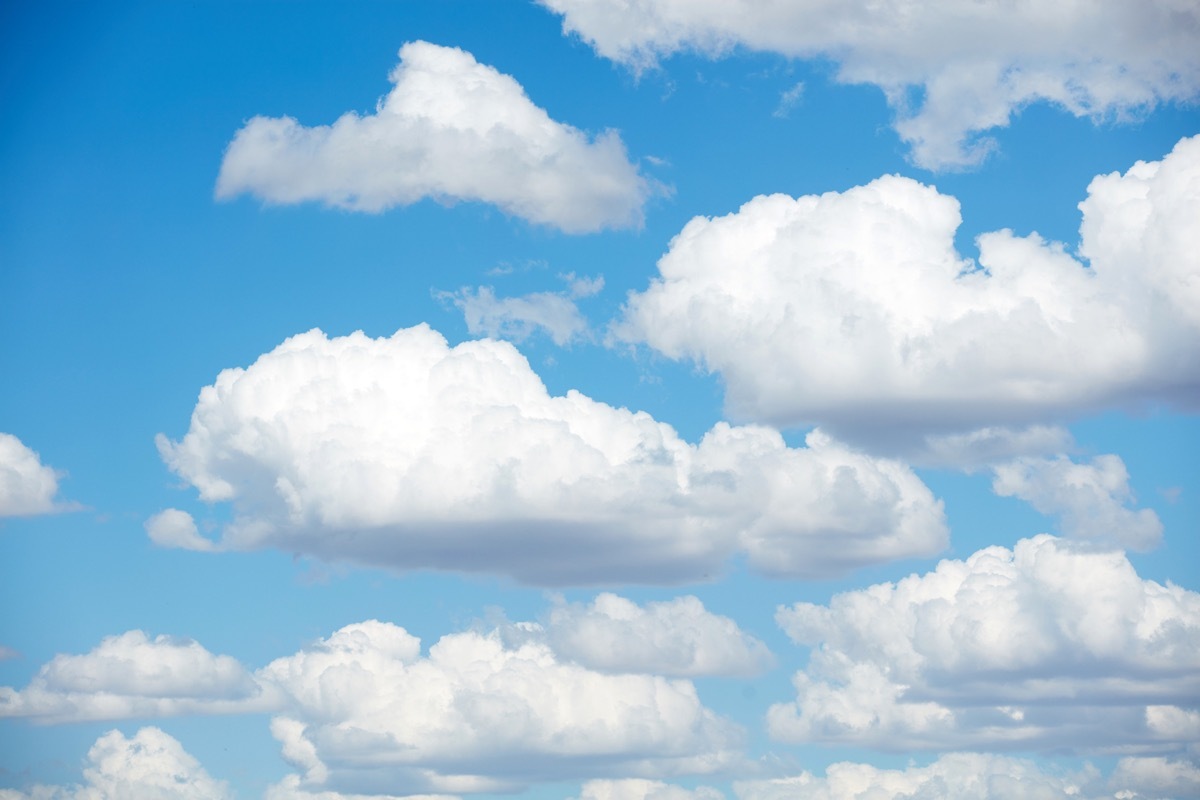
406	453
516	318
27	486
1047	645
174	528
1091	498
149	766
1155	777
677	637
641	789
290	788
132	675
450	129
854	311
367	713
949	71
955	776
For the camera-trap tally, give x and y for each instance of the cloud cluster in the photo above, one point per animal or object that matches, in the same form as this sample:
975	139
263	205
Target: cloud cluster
450	129
149	766
854	311
1048	645
949	71
27	486
407	453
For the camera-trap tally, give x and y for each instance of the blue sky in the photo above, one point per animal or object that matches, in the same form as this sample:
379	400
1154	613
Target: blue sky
735	400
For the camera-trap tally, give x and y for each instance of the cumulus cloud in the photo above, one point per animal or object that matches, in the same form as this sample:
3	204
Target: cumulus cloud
641	789
406	453
949	72
1155	777
149	766
677	637
517	318
1048	645
133	675
854	311
27	487
1091	499
450	129
174	528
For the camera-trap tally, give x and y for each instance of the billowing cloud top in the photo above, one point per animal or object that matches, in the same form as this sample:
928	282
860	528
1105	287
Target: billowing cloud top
853	310
27	486
450	129
407	453
974	64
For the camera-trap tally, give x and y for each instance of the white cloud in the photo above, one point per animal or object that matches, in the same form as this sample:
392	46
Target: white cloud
174	528
27	486
970	68
641	789
132	675
677	637
788	100
149	766
450	129
854	311
1090	498
516	318
1047	645
1155	777
955	776
290	788
985	447
403	452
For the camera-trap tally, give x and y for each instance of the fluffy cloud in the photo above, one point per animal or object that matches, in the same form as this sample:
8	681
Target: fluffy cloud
367	713
641	789
854	311
407	453
132	675
149	766
451	129
1091	499
174	528
27	486
516	318
1046	645
971	67
1155	777
677	637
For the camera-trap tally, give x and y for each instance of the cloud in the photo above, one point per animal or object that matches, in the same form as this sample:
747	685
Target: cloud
788	100
450	129
174	528
405	453
27	487
1048	645
853	310
950	73
677	637
132	675
1155	777
641	789
1090	498
149	766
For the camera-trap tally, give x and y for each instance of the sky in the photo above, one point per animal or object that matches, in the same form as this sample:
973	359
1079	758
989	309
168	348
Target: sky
600	399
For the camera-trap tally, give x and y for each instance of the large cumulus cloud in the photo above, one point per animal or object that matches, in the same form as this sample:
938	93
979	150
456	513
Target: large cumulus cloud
407	453
949	70
853	310
451	129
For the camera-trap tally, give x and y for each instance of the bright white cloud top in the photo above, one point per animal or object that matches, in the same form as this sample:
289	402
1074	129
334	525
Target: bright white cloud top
450	129
1038	646
949	71
854	311
27	486
408	453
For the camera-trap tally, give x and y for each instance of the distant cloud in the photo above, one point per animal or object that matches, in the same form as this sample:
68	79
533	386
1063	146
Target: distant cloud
641	789
174	528
950	72
788	100
403	452
1045	646
27	487
855	312
450	129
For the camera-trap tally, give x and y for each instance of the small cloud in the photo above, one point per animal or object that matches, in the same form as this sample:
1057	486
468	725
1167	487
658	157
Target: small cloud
8	654
1171	494
27	486
177	529
789	100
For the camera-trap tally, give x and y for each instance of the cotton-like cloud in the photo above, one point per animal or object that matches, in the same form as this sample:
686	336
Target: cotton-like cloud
406	453
1091	499
133	675
950	72
174	528
149	766
27	486
1155	777
367	713
1048	645
641	789
450	129
854	311
678	637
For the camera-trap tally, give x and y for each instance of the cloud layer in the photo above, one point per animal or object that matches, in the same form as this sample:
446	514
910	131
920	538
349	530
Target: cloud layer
27	486
406	453
854	311
1048	645
949	71
450	129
